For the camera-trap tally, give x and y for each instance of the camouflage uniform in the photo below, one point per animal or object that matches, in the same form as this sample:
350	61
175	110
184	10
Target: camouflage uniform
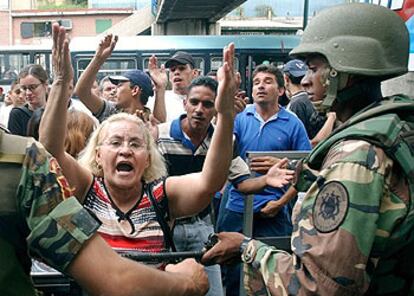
42	220
353	231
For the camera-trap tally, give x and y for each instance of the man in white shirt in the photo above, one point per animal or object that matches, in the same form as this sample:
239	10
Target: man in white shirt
182	71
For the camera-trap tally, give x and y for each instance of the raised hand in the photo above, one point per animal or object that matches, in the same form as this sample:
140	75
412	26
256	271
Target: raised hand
195	271
229	82
277	176
158	74
150	122
240	101
62	66
106	46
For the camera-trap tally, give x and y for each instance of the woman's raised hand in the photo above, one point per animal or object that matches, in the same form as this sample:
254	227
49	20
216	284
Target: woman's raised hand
62	66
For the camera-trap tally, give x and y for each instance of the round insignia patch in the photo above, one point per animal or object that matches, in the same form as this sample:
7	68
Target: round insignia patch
330	207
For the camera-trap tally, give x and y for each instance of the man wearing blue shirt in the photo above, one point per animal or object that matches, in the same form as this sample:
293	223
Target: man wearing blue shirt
263	126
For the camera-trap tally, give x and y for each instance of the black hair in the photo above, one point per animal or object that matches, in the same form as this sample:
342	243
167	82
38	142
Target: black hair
143	98
204	81
295	80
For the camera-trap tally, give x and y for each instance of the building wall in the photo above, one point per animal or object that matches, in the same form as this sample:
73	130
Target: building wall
82	25
23	4
4	27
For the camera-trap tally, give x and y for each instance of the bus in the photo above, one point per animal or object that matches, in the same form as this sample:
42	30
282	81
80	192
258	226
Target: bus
134	53
14	58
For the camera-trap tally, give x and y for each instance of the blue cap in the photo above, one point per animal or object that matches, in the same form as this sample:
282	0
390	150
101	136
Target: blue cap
135	77
296	68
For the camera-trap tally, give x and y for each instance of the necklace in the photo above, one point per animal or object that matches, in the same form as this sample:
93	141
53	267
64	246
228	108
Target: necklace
125	215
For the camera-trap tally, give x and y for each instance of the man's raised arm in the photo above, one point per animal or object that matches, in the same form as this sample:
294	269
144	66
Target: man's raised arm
83	87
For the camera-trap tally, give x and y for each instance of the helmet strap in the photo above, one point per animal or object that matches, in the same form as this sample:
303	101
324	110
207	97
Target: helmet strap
332	89
336	82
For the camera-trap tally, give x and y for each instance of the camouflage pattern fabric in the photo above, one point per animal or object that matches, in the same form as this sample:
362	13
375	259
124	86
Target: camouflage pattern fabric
58	223
41	218
354	229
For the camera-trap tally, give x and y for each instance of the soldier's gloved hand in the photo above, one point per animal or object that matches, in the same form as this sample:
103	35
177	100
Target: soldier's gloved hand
193	270
226	251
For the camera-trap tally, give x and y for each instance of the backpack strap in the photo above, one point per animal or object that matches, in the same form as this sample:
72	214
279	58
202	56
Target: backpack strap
25	110
161	217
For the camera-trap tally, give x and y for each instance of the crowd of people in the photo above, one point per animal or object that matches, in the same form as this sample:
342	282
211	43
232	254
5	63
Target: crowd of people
148	169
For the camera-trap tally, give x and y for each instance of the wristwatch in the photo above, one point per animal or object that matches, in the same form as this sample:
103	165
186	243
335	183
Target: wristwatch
245	254
244	243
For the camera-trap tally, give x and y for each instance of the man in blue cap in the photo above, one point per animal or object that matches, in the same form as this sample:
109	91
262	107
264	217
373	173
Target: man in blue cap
293	73
133	87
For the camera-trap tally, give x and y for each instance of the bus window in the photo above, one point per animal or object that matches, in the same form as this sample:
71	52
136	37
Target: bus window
11	64
45	60
216	62
113	66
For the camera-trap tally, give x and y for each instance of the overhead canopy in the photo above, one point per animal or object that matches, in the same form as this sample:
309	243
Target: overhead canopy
210	10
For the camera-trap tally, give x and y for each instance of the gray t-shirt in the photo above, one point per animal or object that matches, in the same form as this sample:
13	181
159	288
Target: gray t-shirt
108	109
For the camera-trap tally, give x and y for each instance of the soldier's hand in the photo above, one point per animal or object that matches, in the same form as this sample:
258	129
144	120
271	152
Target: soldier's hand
195	271
227	250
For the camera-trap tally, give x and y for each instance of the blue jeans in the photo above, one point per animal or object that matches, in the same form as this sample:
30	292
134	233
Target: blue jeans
262	227
191	237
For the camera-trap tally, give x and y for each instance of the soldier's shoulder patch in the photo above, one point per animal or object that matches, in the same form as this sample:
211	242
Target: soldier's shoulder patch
330	207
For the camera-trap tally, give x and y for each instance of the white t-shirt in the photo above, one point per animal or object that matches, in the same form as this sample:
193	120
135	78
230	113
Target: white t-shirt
174	104
4	114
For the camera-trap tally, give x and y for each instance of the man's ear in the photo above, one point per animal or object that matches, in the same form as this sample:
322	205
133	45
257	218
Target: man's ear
185	102
281	91
136	90
287	80
196	73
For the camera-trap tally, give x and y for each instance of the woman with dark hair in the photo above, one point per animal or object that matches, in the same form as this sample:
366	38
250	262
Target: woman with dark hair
33	81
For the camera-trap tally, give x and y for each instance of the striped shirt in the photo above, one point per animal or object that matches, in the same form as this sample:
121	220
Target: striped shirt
139	231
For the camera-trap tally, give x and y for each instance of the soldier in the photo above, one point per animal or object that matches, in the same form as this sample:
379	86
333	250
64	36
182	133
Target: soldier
353	230
45	220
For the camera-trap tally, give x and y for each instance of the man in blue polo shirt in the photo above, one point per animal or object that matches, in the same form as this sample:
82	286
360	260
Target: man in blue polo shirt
184	143
263	126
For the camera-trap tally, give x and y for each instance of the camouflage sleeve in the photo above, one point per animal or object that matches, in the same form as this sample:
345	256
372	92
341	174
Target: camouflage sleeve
338	234
58	224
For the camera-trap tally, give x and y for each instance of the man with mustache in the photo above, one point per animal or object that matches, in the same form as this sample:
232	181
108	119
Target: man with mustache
263	126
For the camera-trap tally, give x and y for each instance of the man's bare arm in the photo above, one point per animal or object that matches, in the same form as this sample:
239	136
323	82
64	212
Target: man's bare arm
83	87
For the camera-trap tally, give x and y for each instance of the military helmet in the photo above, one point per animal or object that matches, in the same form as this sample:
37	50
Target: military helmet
362	39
